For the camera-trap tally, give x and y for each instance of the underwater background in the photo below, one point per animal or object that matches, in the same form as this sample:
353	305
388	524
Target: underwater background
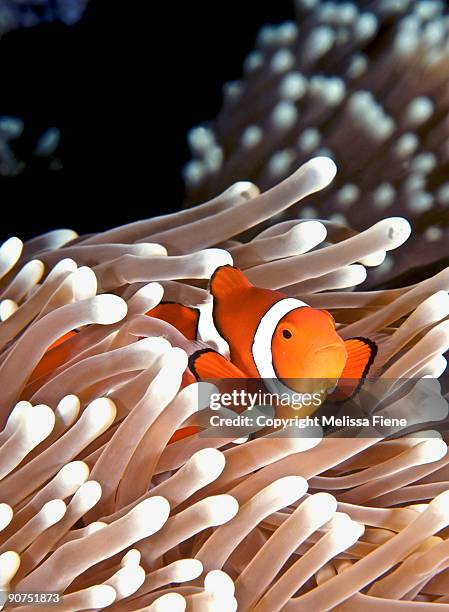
123	84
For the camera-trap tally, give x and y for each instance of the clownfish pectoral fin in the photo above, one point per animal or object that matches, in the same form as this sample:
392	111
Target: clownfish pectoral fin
184	318
361	353
226	280
207	363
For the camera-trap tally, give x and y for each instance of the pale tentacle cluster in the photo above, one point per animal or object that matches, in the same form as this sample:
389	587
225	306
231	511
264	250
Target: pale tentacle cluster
364	82
11	128
97	505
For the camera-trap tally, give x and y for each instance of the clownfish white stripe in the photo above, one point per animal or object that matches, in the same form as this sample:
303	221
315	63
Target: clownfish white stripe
207	331
261	347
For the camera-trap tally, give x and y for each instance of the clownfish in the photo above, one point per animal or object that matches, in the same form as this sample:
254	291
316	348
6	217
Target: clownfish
54	356
270	336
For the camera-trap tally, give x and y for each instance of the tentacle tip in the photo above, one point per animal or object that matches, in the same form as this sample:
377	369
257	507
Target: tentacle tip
325	168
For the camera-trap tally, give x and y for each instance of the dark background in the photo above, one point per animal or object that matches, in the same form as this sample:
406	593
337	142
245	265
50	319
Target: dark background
123	85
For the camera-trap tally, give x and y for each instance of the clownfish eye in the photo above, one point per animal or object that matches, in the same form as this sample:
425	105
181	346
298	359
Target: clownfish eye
287	334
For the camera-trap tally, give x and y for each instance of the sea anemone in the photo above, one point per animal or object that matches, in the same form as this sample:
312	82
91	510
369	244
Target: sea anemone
16	14
362	82
105	505
11	129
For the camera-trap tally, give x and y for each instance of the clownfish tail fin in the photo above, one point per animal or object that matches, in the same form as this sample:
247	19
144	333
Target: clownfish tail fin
226	280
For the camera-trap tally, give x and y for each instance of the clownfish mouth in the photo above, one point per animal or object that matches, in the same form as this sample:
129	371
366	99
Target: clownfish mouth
322	386
327	362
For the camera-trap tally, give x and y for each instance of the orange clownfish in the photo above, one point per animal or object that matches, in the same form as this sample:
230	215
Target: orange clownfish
270	336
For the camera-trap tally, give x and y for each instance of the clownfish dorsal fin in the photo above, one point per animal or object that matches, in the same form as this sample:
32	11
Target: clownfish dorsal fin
226	280
207	363
361	353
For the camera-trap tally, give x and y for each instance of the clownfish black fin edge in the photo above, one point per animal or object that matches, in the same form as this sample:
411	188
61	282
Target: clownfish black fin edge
361	354
372	346
209	364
